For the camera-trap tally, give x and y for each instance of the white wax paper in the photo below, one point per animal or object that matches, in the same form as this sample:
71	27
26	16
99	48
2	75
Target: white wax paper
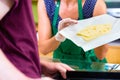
70	31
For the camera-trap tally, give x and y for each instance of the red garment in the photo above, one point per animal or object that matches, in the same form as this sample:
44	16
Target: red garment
18	38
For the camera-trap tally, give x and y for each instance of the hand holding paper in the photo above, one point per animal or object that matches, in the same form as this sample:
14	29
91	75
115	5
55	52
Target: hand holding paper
112	33
62	24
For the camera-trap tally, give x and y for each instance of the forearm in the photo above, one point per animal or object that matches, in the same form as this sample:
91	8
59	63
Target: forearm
47	43
100	8
101	51
47	46
8	71
50	44
44	65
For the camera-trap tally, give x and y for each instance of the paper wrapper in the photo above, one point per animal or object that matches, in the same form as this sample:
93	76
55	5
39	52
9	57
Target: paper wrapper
114	34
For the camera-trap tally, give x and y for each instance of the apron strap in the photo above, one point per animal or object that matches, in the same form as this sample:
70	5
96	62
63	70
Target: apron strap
80	9
55	17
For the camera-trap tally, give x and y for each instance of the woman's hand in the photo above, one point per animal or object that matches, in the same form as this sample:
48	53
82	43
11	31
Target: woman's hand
63	24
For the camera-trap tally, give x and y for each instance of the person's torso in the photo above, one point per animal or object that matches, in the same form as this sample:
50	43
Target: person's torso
18	38
67	49
88	9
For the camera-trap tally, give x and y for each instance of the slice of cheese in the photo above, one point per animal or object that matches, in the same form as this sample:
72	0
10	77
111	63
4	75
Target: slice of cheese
94	31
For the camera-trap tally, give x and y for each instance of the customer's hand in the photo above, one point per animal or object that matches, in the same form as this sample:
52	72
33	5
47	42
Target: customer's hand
62	24
60	67
51	68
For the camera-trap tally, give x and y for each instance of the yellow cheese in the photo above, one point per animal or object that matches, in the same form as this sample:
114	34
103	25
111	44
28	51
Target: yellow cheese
94	31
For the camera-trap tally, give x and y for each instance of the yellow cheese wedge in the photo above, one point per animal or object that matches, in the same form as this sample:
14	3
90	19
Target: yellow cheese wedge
94	31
